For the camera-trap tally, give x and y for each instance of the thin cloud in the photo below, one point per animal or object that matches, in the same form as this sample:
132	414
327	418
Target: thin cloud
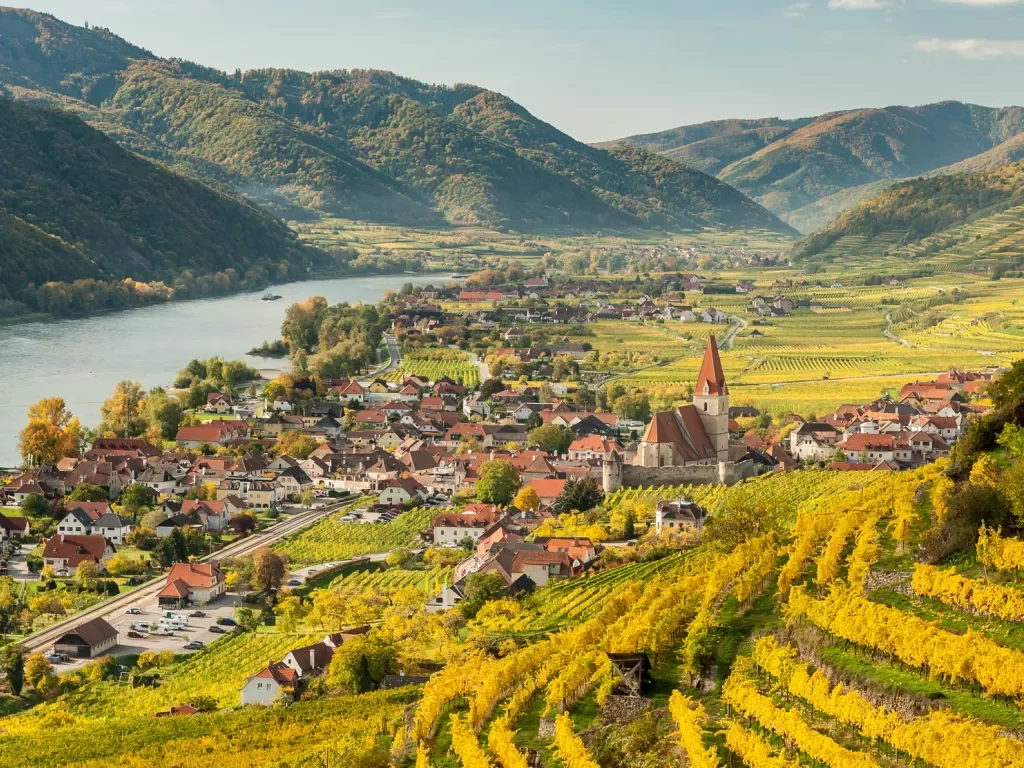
796	10
859	5
977	50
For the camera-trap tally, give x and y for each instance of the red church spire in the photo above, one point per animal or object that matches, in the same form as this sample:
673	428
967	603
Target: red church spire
711	380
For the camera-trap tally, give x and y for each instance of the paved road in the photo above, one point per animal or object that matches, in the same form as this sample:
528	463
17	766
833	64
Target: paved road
393	353
44	640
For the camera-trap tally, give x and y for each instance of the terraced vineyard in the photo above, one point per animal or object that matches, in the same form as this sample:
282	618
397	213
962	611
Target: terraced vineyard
331	539
433	364
388	579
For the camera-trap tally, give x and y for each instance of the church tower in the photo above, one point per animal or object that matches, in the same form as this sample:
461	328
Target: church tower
711	398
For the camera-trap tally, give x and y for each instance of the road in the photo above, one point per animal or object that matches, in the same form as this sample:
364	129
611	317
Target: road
44	639
483	368
393	353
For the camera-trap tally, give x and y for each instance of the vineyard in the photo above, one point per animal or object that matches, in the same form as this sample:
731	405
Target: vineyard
386	580
434	364
331	539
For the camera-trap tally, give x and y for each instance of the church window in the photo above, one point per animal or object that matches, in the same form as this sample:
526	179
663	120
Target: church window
705	406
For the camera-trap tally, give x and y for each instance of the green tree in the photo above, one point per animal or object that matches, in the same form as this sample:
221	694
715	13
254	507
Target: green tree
481	588
579	494
491	387
551	437
35	505
248	619
362	662
498	482
137	496
88	492
12	667
162	414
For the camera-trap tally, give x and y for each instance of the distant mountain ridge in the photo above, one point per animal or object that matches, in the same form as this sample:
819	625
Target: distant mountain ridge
810	169
361	144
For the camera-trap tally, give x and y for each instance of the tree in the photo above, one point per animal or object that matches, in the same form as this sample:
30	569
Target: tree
1012	440
362	662
296	445
552	437
39	673
243	522
397	557
86	573
136	496
498	482
51	434
580	494
248	619
290	611
88	492
268	569
534	420
1013	487
480	589
491	387
307	497
122	411
527	500
985	472
12	667
35	505
629	528
162	414
151	520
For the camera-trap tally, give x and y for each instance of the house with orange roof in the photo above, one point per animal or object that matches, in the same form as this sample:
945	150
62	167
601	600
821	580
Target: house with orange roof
192	584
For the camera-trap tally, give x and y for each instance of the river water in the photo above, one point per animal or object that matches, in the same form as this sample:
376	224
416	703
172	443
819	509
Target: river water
81	359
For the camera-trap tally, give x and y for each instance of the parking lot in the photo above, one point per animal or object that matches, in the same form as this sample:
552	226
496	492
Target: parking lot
150	613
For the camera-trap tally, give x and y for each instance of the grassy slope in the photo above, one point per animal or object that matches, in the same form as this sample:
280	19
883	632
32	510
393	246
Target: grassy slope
84	207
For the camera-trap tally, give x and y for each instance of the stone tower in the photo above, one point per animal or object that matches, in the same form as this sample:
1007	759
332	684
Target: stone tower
611	472
711	398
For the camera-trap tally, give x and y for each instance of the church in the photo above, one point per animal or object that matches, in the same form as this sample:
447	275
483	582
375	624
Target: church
696	434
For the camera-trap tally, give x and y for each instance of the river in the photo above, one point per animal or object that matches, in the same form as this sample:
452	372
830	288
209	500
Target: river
81	359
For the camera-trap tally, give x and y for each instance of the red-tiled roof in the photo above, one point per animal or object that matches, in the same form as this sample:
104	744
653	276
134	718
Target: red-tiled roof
711	379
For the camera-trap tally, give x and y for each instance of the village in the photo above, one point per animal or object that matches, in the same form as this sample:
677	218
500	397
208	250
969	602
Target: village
504	468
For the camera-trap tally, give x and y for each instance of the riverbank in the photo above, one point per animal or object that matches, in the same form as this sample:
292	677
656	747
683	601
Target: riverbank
81	359
40	317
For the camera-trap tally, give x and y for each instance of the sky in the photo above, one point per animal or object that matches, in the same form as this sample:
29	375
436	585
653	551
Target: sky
600	70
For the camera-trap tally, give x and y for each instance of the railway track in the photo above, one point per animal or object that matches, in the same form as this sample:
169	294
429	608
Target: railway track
44	638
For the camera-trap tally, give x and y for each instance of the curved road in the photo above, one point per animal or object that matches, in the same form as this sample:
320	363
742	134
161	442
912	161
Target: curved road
45	638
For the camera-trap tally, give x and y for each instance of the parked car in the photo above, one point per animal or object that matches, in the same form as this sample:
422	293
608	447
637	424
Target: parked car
294	582
197	615
218	630
226	622
133	612
54	658
135	635
195	645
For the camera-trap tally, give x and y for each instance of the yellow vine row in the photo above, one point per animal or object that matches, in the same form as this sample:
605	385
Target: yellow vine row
690	717
940	738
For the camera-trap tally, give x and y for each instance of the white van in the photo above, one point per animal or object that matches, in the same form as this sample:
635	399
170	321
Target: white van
175	623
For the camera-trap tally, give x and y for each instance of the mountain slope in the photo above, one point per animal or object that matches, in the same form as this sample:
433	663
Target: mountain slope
789	166
75	205
368	145
918	209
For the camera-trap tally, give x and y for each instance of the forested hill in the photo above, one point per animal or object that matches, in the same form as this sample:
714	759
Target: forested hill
918	209
809	170
76	206
362	144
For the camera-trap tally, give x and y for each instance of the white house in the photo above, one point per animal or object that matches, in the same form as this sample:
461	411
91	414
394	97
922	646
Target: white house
266	686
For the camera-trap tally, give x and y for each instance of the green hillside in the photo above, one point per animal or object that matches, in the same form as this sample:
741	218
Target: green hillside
367	145
924	208
75	205
840	158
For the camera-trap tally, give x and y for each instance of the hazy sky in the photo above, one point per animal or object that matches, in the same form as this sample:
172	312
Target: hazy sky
600	69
